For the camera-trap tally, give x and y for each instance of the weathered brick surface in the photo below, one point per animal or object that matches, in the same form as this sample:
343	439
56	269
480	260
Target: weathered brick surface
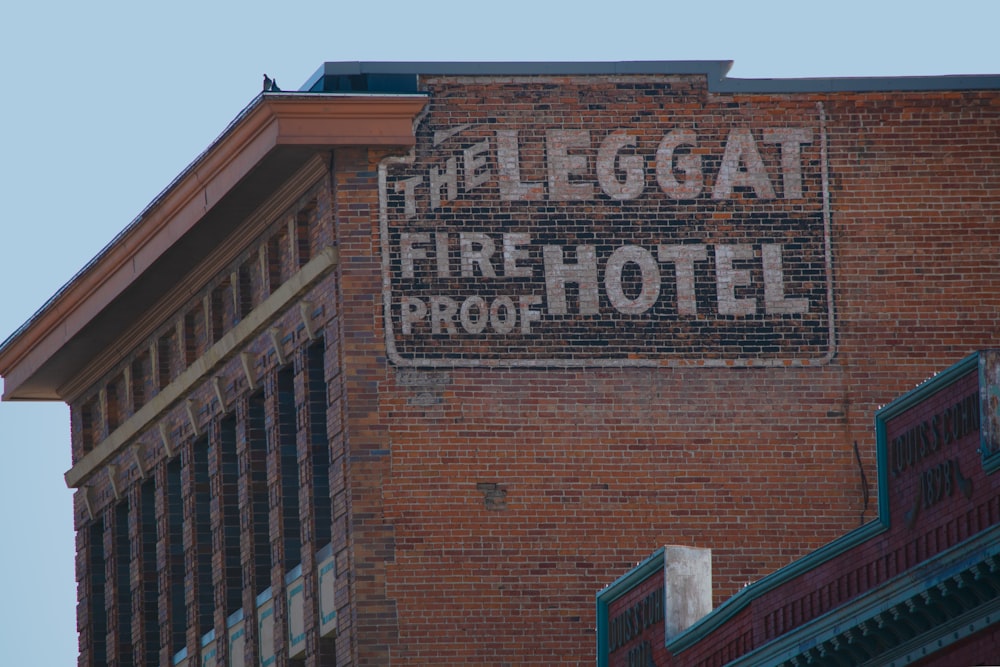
600	466
485	485
928	515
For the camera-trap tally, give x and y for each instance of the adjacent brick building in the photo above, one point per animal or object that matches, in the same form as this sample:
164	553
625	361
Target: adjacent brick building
409	363
918	586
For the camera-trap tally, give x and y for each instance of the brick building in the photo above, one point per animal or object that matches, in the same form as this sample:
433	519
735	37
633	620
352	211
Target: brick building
918	586
409	363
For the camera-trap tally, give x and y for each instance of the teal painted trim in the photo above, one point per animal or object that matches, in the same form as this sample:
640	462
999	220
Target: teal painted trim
326	570
948	633
903	587
620	587
988	451
929	387
234	618
293	574
234	637
727	610
324	553
294	640
265	661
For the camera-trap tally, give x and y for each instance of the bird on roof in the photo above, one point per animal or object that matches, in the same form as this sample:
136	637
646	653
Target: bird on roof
270	85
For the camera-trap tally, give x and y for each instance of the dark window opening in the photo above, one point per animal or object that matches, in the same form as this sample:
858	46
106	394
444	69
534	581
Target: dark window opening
230	510
245	288
191	336
98	611
319	443
303	219
123	585
149	583
205	603
175	557
275	260
141	372
289	462
257	450
88	417
164	360
112	407
220	306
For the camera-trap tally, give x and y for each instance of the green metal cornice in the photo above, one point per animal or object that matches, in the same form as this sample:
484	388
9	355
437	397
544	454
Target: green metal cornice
723	614
940	602
620	587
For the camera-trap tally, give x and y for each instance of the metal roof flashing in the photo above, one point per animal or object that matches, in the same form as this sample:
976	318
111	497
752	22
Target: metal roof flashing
387	76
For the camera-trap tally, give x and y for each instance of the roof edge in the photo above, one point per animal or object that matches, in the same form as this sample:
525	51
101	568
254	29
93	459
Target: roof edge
714	70
318	120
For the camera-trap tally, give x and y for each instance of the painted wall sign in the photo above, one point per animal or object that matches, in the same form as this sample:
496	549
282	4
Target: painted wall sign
633	223
932	446
631	616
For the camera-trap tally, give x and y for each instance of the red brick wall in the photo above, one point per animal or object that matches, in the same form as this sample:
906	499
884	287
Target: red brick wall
479	504
491	503
943	522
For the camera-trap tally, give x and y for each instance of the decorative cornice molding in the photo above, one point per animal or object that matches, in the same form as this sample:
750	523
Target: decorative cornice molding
314	122
226	253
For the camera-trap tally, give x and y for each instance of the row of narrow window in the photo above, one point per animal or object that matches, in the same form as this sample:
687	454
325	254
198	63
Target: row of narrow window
137	545
288	249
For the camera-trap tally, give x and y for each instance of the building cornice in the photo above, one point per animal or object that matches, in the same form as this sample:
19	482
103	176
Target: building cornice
276	128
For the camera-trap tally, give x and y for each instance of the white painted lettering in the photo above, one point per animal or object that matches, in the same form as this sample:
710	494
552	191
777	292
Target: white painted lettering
563	165
474	160
790	139
473	315
650	272
409	253
509	170
728	278
447	179
408	187
741	149
413	310
513	252
441	254
503	315
689	164
468	241
610	161
528	315
443	310
583	273
775	301
683	258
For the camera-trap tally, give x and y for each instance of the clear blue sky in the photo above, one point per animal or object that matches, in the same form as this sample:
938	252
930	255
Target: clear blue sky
103	103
